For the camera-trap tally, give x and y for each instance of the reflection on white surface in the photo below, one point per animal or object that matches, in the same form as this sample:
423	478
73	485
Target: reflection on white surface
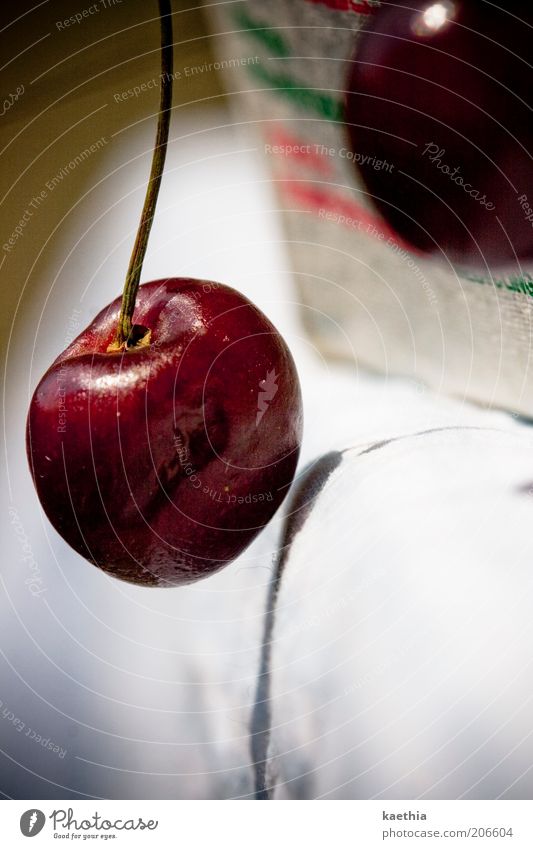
402	653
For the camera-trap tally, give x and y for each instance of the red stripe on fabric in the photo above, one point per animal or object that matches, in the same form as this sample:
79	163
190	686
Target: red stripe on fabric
318	198
297	148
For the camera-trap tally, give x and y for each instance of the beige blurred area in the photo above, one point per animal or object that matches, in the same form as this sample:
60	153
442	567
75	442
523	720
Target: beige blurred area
64	89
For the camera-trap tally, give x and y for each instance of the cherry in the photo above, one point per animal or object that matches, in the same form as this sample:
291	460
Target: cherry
442	93
160	464
160	449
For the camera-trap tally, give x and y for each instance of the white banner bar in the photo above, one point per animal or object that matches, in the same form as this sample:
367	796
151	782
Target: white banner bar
265	826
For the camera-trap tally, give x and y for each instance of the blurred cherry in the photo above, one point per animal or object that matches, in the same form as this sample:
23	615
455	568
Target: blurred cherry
442	93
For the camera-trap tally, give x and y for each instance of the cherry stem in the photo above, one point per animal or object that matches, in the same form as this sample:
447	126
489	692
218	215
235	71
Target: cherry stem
124	336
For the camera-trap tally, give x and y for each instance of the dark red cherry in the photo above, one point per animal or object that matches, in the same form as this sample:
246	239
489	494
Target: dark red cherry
161	464
438	110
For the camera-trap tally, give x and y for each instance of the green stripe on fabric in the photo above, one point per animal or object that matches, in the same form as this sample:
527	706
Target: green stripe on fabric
269	37
307	98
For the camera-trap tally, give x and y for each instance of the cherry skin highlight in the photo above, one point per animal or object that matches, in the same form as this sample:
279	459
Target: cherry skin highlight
160	464
442	94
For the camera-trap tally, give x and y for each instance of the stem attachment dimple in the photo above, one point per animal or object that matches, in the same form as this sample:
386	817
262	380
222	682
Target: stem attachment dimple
125	337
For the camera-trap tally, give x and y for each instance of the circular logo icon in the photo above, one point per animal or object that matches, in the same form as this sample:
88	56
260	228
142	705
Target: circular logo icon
32	822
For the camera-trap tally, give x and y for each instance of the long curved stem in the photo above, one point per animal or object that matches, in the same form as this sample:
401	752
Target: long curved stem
124	336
